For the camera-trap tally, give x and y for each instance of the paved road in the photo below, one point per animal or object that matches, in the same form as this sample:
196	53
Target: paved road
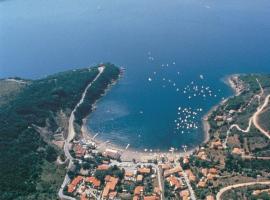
191	191
71	131
71	135
61	194
160	181
225	189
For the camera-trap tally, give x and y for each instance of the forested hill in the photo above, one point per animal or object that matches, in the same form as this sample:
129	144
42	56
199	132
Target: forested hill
24	153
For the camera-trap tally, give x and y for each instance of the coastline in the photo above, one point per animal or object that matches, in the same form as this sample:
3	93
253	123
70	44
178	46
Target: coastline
129	154
139	155
230	81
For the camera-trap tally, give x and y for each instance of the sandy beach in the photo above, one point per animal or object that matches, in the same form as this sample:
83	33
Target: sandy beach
132	154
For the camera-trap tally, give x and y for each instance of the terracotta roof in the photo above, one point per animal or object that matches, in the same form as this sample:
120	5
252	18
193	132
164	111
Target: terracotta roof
150	197
138	190
144	170
213	170
210	176
216	144
202	155
71	188
184	193
105	192
74	183
103	167
93	180
190	175
111	183
174	182
77	180
172	171
237	150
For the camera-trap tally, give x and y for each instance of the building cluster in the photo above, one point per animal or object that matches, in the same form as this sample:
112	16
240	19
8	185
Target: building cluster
109	178
238	151
109	191
175	181
83	187
83	148
227	117
207	175
144	181
200	177
139	183
201	154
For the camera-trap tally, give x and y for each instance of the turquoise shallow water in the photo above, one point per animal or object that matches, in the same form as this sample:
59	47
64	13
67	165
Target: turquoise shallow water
194	37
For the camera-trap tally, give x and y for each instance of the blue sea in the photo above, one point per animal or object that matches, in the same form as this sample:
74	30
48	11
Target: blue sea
175	54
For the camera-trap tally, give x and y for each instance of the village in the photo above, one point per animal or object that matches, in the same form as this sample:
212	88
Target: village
99	171
102	175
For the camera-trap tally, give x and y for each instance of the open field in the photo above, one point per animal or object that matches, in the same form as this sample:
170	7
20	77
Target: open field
9	90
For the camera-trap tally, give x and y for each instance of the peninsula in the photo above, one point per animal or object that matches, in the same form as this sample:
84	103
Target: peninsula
34	118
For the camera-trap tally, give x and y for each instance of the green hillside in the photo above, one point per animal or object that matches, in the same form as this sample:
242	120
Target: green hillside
26	159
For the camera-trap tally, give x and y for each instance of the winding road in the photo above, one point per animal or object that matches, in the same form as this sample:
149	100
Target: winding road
225	189
256	116
71	135
253	119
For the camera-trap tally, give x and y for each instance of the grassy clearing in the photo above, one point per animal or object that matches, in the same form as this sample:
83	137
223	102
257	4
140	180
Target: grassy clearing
9	90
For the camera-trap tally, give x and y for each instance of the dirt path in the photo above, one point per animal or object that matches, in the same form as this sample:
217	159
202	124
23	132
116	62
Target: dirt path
256	117
225	189
253	119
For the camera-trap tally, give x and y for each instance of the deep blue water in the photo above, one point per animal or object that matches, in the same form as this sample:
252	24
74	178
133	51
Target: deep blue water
202	37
